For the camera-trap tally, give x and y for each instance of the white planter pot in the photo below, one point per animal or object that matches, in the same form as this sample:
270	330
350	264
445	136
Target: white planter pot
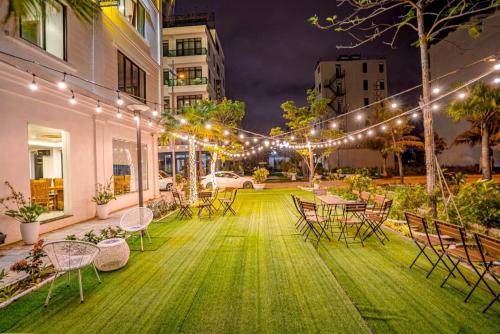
30	232
259	186
293	176
102	211
316	186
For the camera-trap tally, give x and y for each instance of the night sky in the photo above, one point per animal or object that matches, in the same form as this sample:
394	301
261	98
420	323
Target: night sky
271	52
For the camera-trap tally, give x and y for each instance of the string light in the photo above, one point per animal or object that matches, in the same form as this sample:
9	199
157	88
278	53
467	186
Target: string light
33	85
435	106
242	136
496	80
399	121
370	132
334	125
119	100
313	132
119	113
247	143
414	115
292	137
208	126
497	66
98	108
226	133
183	120
155	111
383	127
162	130
394	105
360	136
255	140
72	100
359	117
150	123
436	90
62	84
461	96
226	142
266	142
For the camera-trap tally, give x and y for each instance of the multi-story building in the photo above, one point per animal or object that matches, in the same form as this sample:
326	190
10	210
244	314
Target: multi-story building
351	82
459	53
61	81
193	69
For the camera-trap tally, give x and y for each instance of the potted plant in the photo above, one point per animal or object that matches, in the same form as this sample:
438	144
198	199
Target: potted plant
25	212
103	196
260	176
292	173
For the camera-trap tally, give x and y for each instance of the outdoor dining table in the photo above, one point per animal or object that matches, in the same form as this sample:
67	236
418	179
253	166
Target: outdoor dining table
331	202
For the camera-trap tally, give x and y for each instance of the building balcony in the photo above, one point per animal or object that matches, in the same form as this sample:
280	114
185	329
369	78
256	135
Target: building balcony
187	82
185	52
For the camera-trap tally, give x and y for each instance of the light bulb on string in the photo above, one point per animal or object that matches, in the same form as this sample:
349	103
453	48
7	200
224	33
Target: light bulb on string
226	133
150	123
155	111
62	84
242	136
394	105
98	108
370	132
496	80
383	127
266	142
497	66
247	143
183	120
292	137
334	125
72	100
162	130
119	100
255	140
399	121
205	140
313	132
119	113
208	126
226	142
360	136
33	85
462	96
414	115
436	90
435	106
345	140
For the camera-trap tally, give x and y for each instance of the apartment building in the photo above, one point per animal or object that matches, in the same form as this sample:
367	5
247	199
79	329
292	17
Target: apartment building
351	82
61	83
193	69
458	51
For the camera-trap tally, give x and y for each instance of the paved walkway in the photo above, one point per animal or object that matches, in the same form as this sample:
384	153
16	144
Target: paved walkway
12	253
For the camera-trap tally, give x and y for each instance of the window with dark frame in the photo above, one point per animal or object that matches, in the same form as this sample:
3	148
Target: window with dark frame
366	101
187	100
135	13
381	85
365	67
365	84
188	47
131	78
381	67
33	28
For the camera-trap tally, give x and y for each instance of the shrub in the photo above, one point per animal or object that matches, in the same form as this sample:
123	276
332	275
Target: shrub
479	203
343	192
260	175
18	207
104	193
161	207
358	182
407	198
32	264
94	238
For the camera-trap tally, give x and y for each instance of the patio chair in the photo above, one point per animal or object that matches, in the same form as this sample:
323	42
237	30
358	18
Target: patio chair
378	203
365	196
137	220
353	214
315	222
489	248
419	232
70	255
453	235
184	207
227	203
375	222
205	203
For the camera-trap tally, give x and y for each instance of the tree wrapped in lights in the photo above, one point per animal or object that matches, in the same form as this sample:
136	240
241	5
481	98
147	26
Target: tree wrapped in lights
301	122
481	108
429	19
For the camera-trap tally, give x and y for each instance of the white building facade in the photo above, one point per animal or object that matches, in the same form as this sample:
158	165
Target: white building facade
58	142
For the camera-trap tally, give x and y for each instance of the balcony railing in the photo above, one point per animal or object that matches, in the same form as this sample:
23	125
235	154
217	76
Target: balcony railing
186	82
185	52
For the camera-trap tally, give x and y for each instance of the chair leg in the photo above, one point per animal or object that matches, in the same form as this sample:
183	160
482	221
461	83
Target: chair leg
149	237
50	290
69	278
80	284
96	273
491	303
142	243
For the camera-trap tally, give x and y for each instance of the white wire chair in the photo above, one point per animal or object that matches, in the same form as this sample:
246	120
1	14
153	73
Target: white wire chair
137	220
70	255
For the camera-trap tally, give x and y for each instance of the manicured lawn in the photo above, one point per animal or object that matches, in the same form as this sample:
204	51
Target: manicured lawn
252	274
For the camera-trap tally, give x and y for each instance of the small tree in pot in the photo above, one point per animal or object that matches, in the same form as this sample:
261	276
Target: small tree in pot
260	176
24	211
104	195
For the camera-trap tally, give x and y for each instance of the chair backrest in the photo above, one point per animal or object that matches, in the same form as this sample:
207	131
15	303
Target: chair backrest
235	192
205	195
448	231
354	207
415	222
308	206
379	200
365	196
488	246
138	216
385	210
296	203
58	182
356	192
70	254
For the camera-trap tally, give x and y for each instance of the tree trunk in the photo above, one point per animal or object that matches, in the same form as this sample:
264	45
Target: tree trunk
174	168
400	166
193	180
485	152
311	166
200	161
213	161
424	103
384	165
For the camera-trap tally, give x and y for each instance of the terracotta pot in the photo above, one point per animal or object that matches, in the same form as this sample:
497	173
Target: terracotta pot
30	232
102	211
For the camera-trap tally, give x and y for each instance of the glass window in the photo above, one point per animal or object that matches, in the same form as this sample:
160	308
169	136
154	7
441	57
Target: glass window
48	151
125	167
47	30
365	68
366	101
131	78
141	20
135	13
189	72
381	67
189	47
365	84
165	49
381	85
186	100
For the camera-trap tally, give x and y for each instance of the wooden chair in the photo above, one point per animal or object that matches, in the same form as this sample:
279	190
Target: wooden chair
205	203
227	203
58	184
126	183
365	197
375	222
315	222
489	250
419	232
378	202
40	193
353	214
118	184
184	207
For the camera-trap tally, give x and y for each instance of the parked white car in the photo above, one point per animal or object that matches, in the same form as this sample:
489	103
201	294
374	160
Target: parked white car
165	182
228	180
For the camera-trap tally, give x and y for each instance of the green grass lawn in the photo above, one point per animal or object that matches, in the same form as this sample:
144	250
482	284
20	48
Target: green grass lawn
254	274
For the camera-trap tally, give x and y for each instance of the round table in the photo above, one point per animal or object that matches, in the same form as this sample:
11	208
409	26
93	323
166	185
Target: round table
114	254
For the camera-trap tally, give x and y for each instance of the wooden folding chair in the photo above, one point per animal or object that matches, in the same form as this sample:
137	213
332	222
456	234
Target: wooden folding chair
365	196
184	207
227	203
310	215
419	232
205	203
296	204
452	235
375	222
353	214
378	203
489	251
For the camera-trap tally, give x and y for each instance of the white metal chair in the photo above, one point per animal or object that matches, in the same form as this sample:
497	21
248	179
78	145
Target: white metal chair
70	255
137	220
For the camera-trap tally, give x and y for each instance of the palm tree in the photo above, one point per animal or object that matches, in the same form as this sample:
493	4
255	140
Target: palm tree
481	108
440	144
83	9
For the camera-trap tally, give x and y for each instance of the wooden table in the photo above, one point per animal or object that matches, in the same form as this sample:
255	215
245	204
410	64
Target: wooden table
331	202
